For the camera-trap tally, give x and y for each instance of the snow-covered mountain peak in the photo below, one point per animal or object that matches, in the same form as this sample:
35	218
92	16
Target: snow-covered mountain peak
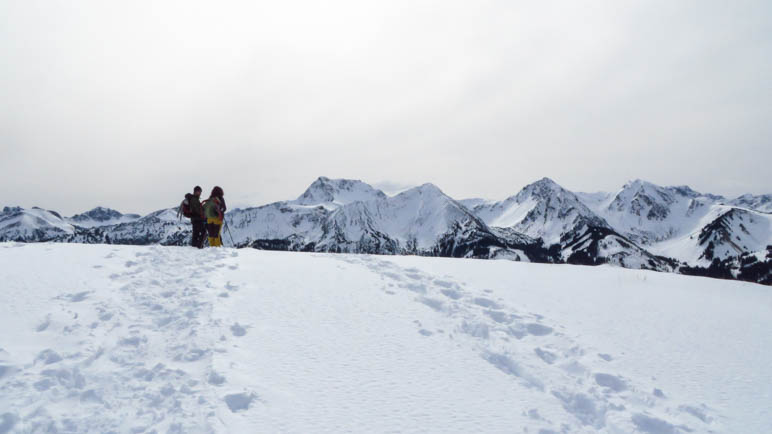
647	193
761	202
544	187
422	219
542	222
723	232
101	216
338	192
547	181
644	199
638	183
648	213
37	224
551	195
427	189
542	209
685	190
427	198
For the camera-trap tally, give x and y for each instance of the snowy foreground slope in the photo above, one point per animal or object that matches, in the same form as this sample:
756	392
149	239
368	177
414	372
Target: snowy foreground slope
99	338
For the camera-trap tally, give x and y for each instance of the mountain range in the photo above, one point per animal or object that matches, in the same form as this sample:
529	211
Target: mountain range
642	225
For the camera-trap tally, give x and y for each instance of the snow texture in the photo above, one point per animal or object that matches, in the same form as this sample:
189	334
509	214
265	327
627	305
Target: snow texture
100	338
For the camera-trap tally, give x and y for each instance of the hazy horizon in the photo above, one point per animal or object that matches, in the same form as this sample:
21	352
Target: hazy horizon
129	105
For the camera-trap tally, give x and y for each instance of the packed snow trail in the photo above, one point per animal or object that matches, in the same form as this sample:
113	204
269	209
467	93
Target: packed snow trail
168	339
125	348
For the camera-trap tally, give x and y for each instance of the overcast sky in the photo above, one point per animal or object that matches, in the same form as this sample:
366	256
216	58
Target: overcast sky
130	104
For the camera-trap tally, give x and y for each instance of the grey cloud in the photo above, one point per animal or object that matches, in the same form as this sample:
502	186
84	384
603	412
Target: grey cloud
130	104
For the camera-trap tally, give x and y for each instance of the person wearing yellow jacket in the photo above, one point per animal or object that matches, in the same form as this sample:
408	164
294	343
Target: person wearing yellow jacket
214	211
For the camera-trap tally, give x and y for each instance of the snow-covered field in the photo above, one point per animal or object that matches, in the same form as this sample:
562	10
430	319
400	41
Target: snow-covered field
100	338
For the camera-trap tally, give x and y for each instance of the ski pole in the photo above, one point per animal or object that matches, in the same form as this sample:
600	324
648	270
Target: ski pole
227	228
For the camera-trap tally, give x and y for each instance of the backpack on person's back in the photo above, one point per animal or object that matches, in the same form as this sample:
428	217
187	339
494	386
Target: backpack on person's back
185	209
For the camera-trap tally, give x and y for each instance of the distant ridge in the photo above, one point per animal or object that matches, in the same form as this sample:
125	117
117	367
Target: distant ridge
642	225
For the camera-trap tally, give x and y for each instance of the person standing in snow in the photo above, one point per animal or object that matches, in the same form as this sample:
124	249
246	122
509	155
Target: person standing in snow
197	217
214	211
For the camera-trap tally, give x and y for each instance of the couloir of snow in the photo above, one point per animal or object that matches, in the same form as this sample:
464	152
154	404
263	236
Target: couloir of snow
100	338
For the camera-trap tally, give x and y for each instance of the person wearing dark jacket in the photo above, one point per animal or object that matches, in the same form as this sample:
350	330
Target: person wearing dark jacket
197	218
214	211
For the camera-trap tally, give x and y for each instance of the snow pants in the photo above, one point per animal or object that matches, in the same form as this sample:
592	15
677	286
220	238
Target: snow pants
213	226
199	229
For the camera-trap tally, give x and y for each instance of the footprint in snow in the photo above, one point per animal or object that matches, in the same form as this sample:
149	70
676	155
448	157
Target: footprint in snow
538	329
451	293
510	366
391	275
44	325
433	303
547	356
444	284
6	370
193	355
239	401
415	287
612	382
650	424
238	330
75	298
484	302
499	316
48	357
700	413
216	379
7	422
